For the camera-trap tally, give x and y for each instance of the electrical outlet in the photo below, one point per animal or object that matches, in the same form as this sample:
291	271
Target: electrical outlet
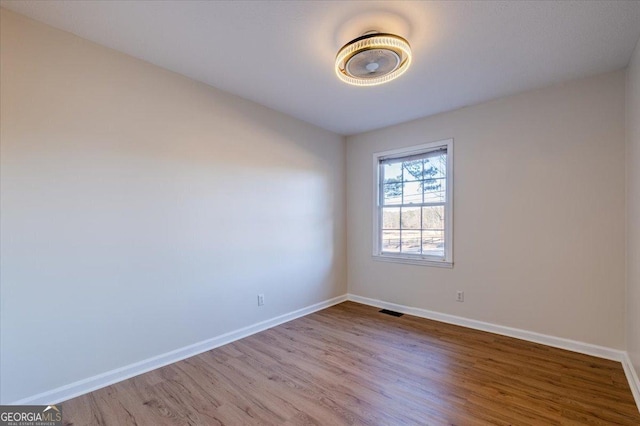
260	299
460	296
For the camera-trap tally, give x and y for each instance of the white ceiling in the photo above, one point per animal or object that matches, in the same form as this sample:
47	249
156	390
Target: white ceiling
281	54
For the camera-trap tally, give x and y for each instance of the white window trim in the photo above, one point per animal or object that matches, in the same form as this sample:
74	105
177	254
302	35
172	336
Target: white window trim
423	260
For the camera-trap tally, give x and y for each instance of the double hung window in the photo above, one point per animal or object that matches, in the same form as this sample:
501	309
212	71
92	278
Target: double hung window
413	206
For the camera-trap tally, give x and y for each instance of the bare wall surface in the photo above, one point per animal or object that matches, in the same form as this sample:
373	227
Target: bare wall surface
539	213
633	209
143	212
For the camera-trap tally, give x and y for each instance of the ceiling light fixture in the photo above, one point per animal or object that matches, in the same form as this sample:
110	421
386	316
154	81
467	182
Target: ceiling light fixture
372	59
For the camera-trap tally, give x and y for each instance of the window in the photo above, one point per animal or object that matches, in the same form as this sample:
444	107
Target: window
413	204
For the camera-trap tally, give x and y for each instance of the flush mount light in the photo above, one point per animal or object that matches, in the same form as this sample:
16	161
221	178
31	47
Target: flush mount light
374	58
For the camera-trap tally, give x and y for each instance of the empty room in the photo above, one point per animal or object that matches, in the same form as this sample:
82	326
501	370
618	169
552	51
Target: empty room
319	212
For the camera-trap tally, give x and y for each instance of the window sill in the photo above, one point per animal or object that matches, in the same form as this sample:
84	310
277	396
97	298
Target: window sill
412	261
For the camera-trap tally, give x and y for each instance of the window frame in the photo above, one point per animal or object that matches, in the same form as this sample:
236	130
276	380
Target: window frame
416	259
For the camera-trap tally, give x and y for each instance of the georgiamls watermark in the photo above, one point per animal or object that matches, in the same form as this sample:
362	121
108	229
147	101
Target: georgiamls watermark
30	415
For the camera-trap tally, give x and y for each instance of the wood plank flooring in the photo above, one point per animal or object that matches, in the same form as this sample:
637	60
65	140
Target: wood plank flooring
350	365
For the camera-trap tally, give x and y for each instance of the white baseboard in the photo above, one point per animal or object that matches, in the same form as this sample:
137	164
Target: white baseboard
90	384
556	342
632	377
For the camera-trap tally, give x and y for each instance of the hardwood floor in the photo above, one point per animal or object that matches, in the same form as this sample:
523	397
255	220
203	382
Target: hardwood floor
350	364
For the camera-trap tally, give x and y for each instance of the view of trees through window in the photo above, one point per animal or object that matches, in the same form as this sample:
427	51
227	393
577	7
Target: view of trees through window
413	201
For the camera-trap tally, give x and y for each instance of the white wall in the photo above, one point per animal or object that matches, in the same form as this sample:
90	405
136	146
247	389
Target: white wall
143	211
633	209
539	213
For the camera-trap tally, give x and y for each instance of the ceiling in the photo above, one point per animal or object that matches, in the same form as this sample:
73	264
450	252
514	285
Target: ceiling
281	54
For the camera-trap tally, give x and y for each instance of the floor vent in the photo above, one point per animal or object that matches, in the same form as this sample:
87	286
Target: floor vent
392	313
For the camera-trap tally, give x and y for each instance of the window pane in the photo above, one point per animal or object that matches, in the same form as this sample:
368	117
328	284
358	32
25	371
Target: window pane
411	218
434	184
392	172
435	167
410	242
412	193
391	218
433	242
412	170
433	231
392	194
435	190
433	218
391	241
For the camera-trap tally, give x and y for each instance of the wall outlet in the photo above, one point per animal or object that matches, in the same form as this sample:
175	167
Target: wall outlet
260	299
460	296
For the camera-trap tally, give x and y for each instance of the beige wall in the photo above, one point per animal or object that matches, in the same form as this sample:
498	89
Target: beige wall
143	212
633	209
539	213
